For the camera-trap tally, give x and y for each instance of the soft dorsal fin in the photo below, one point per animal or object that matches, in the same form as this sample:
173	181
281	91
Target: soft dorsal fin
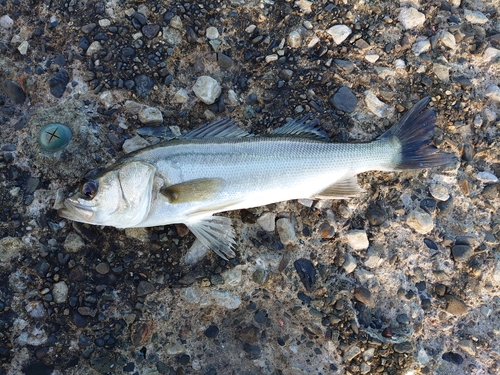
345	188
298	128
192	191
223	128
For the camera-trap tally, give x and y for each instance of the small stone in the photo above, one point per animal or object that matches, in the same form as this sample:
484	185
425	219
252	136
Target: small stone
376	106
259	276
174	349
102	268
420	221
344	100
58	83
181	96
150	116
452	357
23	47
211	332
6	22
104	22
226	299
224	61
349	263
475	17
442	72
455	305
364	296
339	33
421	46
9	248
448	40
493	92
145	288
232	277
212	33
439	192
372	57
60	292
468	346
14	91
411	18
196	253
351	353
490	54
207	89
403	347
306	272
487	177
462	253
286	232
254	351
250	334
364	368
94	48
143	85
358	239
368	354
373	259
133	144
73	243
376	216
294	39
150	31
267	221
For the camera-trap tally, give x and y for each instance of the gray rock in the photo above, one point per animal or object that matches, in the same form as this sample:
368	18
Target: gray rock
207	89
9	248
403	347
267	221
14	91
294	39
226	299
493	92
349	263
358	239
455	305
364	296
60	292
421	46
145	288
411	18
212	33
462	253
475	17
73	243
351	353
286	232
94	48
150	116
420	221
232	277
344	100
376	106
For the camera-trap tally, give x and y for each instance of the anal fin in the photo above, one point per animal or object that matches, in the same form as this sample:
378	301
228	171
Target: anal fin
216	233
345	188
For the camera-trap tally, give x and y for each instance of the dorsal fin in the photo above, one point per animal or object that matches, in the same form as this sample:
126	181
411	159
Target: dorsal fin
223	128
298	128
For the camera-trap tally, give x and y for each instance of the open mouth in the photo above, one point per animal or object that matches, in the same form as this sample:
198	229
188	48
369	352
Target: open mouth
76	211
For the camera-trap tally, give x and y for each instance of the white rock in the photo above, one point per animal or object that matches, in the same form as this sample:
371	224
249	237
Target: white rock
196	253
108	99
232	277
212	33
442	72
294	39
93	48
306	202
421	46
73	243
9	248
286	232
358	239
134	143
376	106
349	263
493	92
104	22
448	40
150	116
339	33
6	22
250	29
475	17
272	57
176	23
439	192
60	292
487	177
496	273
372	57
191	294
232	97
420	221
491	54
399	64
267	221
368	354
207	89
372	259
226	299
23	47
172	35
455	3
411	18
181	96
314	40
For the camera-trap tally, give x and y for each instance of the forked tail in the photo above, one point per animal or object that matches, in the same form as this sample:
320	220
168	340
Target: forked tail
414	132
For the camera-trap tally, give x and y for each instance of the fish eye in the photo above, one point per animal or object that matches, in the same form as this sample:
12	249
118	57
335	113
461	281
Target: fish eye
89	189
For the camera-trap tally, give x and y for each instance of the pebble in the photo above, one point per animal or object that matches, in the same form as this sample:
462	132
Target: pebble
181	96
455	305
372	57
376	216
14	91
422	45
150	116
490	54
196	253
150	31
253	351
368	354
226	299
286	232
351	353
9	248
486	177
250	334
339	33
232	277
224	61
442	72
211	332
267	221
207	89
212	33
364	296
373	259
403	347
448	40
23	47
420	221
133	144
376	106
174	349
411	18
94	48
73	243
60	292
259	276
364	368
344	100
462	253
294	39
452	357
475	17
145	288
6	22
102	268
468	346
306	272
58	83
349	263
143	85
439	192
358	239
493	92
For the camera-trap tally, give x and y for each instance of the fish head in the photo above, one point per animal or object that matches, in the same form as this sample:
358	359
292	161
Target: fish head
119	196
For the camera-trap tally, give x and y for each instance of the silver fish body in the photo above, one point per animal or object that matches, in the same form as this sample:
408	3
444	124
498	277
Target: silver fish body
220	167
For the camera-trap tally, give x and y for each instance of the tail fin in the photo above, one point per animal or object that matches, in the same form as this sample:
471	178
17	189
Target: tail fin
414	132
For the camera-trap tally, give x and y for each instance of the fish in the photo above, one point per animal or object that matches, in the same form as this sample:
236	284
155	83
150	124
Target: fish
221	167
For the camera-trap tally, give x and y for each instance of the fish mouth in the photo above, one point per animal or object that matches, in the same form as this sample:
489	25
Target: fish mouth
76	211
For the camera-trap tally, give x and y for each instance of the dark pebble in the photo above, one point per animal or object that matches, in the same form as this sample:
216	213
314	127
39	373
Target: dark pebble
403	347
191	35
428	205
490	192
127	53
145	288
140	17
376	216
345	65
430	244
99	342
462	253
77	273
163	368
184	360
143	85
150	31
60	60
14	91
421	286
32	185
251	99
463	81
38	368
41	352
344	100
88	28
42	268
304	298
387	332
80	320
445	207
103	364
252	350
129	367
224	61
211	332
281	342
260	316
249	334
453	358
403	319
306	272
468	152
426	304
58	83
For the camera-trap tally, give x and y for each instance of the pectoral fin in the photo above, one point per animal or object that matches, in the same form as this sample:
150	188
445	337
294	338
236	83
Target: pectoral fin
216	233
345	188
194	190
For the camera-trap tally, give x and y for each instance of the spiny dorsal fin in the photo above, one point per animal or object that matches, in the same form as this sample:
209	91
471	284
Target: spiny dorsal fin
298	128
223	128
345	188
194	190
216	233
